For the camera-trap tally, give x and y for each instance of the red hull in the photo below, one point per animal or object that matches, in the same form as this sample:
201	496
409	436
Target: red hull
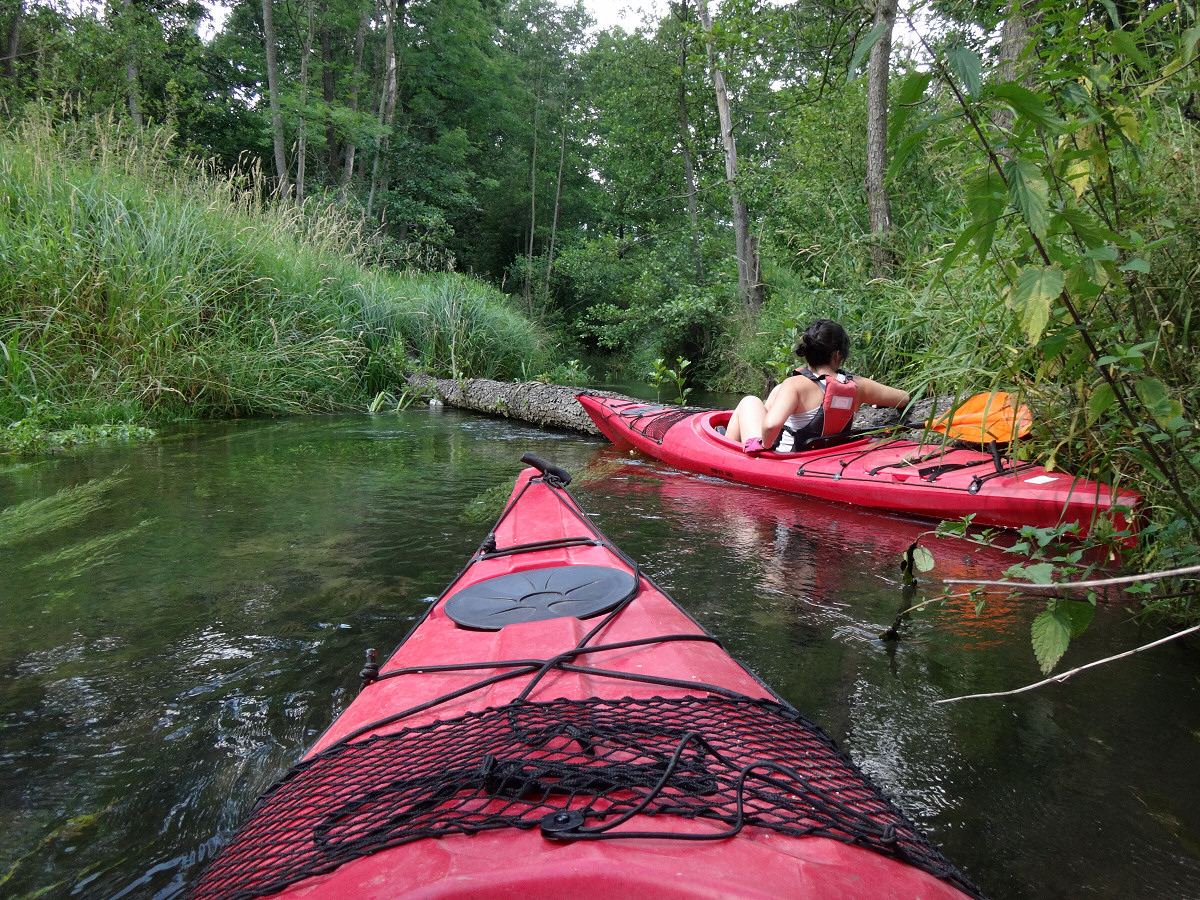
656	656
889	474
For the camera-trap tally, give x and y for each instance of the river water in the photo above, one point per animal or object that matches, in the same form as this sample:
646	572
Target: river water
182	619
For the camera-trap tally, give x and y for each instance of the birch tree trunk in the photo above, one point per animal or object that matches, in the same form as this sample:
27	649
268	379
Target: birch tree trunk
281	169
351	145
879	205
749	286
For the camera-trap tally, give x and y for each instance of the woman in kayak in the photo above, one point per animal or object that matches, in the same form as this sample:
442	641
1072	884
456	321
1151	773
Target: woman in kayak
819	400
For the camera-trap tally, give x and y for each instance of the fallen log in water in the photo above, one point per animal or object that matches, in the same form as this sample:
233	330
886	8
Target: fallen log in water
555	404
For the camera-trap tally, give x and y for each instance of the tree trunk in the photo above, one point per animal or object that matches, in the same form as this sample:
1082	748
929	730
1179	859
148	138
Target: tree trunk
302	137
351	145
749	286
562	158
131	66
1014	37
532	205
387	101
879	205
685	143
281	169
14	40
556	406
328	92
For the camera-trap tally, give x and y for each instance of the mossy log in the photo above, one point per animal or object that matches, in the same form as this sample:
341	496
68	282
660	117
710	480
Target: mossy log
555	405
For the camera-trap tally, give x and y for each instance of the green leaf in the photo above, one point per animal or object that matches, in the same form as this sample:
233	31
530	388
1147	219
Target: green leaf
1026	104
864	47
987	201
1101	399
911	92
1158	402
1188	44
922	559
902	153
965	64
1033	295
1089	229
1081	614
1051	635
1136	265
1029	194
913	88
1038	573
1126	43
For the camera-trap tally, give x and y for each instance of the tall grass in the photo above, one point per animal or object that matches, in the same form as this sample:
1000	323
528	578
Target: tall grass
139	286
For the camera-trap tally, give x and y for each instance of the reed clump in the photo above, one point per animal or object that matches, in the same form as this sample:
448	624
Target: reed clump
140	286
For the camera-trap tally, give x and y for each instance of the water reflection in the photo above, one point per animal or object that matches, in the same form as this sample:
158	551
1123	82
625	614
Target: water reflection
204	620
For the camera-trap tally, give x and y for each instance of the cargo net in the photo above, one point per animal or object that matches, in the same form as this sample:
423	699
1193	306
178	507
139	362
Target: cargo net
578	770
654	422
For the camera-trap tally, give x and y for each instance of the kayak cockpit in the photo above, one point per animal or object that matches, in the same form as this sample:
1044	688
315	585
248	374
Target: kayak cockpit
707	424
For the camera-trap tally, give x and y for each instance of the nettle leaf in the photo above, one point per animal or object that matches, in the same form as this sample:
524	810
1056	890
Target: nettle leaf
1101	399
1078	175
1127	122
965	64
986	199
1126	43
903	152
1080	612
1033	295
863	48
922	559
1038	573
1089	229
1027	104
1112	12
1189	44
1161	405
1029	193
911	93
1051	635
1136	265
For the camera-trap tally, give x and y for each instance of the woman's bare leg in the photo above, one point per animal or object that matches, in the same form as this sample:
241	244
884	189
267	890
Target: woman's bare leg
747	420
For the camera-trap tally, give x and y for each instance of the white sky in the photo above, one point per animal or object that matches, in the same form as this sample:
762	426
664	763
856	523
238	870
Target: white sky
607	13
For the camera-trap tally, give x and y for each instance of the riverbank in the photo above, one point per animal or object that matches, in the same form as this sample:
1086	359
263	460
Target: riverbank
142	288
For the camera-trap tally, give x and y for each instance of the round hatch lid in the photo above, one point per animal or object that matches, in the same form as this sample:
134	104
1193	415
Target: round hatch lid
540	594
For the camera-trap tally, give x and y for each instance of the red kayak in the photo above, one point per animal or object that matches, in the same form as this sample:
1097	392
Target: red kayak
930	480
556	726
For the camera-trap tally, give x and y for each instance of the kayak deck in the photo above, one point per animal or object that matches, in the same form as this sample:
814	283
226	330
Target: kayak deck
554	755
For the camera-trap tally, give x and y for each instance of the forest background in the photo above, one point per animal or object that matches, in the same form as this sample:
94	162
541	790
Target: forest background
300	208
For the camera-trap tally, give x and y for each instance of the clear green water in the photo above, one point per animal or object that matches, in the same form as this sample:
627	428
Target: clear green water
174	638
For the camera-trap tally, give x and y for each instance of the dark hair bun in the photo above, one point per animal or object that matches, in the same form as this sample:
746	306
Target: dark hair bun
821	340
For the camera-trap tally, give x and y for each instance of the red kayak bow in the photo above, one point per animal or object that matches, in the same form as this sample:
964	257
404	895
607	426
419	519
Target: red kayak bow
556	726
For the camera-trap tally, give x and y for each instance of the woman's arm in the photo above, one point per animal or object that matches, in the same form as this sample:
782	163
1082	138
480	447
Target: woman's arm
877	394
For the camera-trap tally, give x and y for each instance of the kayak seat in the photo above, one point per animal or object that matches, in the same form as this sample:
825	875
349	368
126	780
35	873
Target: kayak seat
540	594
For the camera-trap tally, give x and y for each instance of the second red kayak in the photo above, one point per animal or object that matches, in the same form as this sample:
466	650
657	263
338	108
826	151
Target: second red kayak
930	480
556	726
